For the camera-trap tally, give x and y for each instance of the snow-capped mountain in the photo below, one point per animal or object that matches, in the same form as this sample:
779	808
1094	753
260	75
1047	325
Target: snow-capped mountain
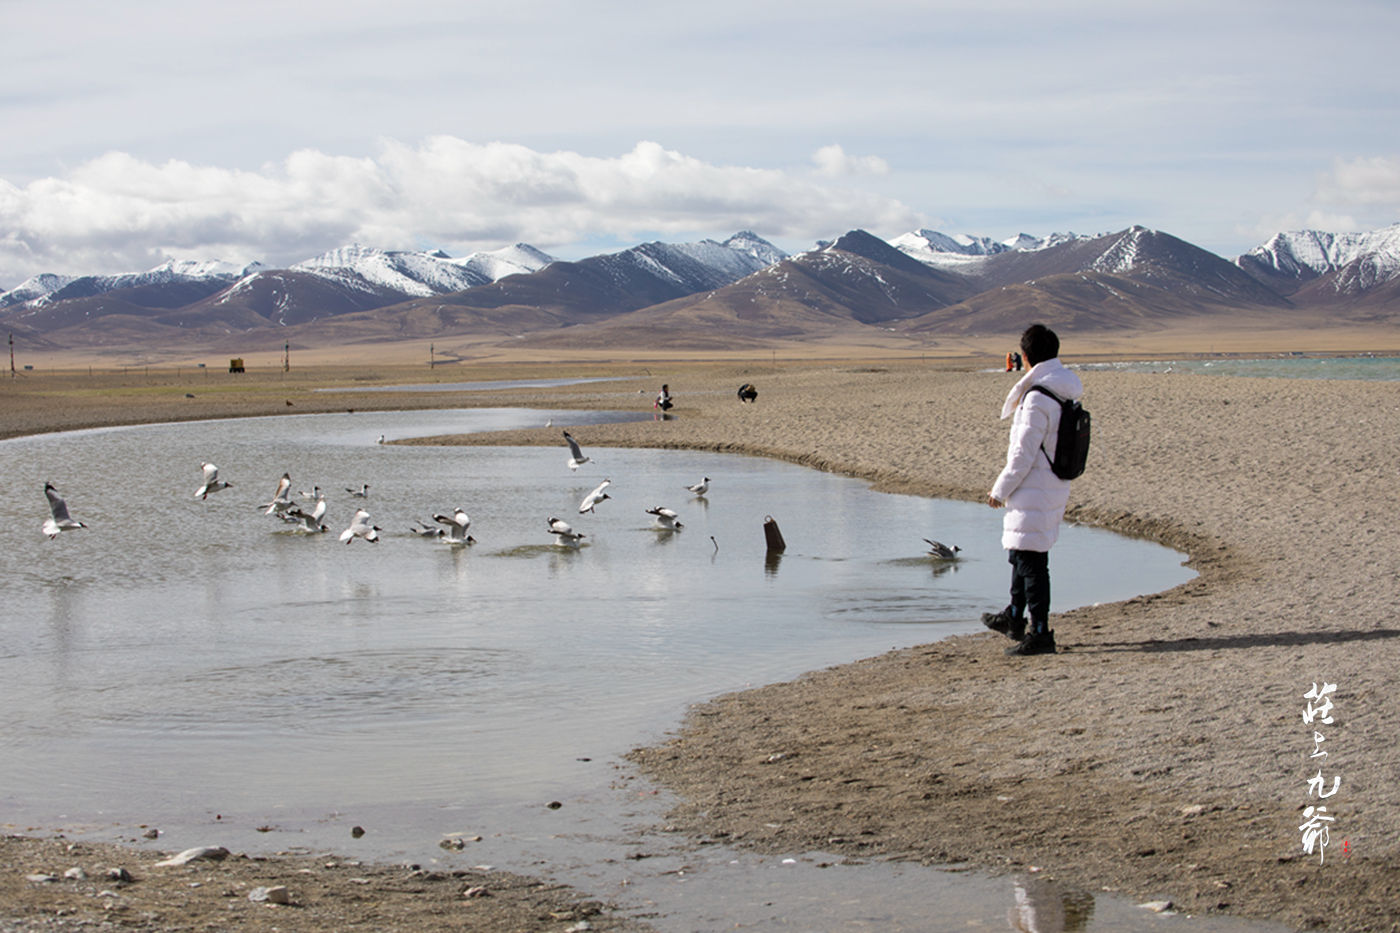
961	252
1353	262
190	275
34	288
418	274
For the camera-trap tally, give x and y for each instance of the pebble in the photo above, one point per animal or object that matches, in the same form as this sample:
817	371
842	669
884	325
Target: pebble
38	878
75	874
274	894
476	891
357	831
1158	907
119	874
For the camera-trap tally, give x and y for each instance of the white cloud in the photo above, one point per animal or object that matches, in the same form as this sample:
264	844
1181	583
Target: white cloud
120	213
833	161
1371	181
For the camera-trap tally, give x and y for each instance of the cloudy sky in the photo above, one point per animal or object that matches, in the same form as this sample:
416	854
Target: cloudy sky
146	130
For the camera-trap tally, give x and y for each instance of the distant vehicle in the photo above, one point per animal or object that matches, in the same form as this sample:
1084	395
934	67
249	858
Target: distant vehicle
235	365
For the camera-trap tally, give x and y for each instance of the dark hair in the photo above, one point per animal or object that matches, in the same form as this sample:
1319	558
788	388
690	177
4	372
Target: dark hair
1039	344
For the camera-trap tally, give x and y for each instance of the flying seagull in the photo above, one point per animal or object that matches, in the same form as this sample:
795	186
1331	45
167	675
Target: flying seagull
59	520
578	459
666	518
701	487
942	551
594	497
212	483
282	499
308	521
424	530
360	527
457	524
564	532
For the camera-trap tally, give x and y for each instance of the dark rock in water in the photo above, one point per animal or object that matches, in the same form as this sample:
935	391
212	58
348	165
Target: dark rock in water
357	831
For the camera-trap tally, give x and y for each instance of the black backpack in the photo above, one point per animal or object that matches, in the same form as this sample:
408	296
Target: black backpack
1072	444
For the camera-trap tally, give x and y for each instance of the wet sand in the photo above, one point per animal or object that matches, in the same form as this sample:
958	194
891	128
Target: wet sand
1163	752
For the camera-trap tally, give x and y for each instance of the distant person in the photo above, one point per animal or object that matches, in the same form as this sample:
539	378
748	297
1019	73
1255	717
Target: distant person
1010	361
663	398
1033	495
747	393
1016	361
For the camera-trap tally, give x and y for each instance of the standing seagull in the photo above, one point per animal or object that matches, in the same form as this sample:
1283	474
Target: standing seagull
59	519
212	483
564	532
282	499
457	524
666	518
594	497
701	487
937	549
360	527
578	459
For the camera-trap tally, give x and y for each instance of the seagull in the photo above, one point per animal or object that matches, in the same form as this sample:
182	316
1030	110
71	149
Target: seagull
212	483
59	520
314	494
423	529
942	551
666	518
594	497
308	521
578	459
282	499
564	532
457	524
360	527
381	439
361	493
701	487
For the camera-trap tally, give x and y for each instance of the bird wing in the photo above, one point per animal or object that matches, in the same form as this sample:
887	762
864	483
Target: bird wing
573	446
211	473
283	484
57	507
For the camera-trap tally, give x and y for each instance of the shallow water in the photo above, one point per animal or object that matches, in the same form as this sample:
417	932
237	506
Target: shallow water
1367	368
196	666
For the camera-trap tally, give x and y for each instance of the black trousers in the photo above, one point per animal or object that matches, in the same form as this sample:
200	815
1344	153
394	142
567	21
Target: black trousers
1030	586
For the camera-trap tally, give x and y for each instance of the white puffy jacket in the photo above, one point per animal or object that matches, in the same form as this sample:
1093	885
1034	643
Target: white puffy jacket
1035	497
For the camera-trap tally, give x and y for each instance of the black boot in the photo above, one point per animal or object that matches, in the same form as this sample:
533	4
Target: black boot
1007	622
1035	642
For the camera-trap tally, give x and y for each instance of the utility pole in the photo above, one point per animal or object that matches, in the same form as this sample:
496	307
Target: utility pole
286	356
432	360
12	354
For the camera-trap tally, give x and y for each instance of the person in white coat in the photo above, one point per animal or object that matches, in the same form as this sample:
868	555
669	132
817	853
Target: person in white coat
1034	497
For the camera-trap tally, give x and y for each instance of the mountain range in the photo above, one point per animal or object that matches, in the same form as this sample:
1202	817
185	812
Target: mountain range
712	295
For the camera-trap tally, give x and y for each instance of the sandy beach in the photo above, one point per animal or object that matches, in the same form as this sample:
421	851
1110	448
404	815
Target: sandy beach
1162	754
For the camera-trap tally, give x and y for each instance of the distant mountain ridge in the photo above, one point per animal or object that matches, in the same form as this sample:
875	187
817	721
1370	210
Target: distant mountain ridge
725	294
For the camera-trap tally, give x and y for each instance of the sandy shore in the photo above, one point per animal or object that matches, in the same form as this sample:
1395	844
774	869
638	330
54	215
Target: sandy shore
1162	753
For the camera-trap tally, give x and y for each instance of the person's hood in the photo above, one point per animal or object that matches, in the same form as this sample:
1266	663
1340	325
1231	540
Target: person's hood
1052	374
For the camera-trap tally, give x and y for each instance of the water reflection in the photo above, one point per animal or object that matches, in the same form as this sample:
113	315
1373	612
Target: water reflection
1043	907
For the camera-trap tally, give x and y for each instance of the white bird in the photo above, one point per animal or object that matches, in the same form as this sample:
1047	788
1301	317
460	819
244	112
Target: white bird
361	493
313	495
942	551
308	521
59	520
457	524
212	483
564	532
666	518
594	497
381	439
578	459
360	527
701	487
282	499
